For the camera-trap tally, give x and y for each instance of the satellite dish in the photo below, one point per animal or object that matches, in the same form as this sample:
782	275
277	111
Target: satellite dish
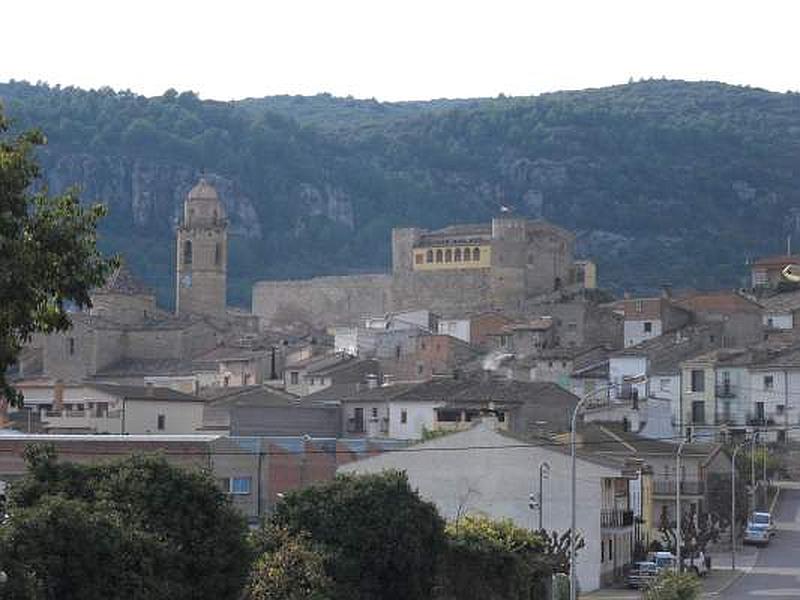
791	273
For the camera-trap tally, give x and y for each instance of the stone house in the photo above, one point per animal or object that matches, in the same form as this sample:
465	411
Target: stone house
319	372
741	317
646	318
524	338
431	355
486	471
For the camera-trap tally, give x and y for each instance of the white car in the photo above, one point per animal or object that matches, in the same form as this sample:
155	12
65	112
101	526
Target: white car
756	534
763	519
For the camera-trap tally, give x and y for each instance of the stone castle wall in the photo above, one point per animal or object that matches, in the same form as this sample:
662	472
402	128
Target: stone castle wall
323	300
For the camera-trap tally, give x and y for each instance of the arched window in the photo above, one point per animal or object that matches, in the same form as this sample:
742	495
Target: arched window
448	255
476	254
438	256
187	252
467	255
218	254
429	256
457	255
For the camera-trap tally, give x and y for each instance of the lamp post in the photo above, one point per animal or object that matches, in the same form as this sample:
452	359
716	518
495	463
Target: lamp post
572	562
733	504
544	473
678	534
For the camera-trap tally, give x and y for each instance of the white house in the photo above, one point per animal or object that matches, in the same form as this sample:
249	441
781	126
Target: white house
111	408
484	471
458	328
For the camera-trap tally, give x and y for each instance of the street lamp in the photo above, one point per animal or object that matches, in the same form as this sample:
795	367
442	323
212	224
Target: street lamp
733	504
544	473
572	562
678	535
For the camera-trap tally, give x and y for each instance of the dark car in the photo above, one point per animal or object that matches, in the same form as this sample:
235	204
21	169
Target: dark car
642	574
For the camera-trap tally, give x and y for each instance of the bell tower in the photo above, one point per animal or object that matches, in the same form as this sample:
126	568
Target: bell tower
202	240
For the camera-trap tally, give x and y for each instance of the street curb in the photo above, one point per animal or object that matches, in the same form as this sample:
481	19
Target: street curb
775	500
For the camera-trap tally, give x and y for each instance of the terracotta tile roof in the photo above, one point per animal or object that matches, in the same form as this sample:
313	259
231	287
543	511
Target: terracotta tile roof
782	303
723	302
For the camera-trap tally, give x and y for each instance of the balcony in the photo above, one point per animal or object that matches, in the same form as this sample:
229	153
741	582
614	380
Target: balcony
725	390
616	517
668	487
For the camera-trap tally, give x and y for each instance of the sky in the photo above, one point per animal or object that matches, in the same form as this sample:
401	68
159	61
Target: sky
396	49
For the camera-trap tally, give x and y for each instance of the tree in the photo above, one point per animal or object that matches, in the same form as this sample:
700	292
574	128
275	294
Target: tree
203	551
674	586
63	549
48	250
289	567
380	538
486	559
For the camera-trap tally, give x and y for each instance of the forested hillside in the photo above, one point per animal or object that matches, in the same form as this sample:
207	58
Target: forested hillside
663	181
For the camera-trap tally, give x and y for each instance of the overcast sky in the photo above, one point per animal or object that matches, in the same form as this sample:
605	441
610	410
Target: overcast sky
396	49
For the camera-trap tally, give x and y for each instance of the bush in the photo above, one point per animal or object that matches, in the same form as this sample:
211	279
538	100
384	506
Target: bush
380	539
674	586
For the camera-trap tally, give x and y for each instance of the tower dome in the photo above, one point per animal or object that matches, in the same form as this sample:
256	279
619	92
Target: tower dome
203	207
203	191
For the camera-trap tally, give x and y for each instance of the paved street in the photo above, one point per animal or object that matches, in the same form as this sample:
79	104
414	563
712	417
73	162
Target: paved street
776	573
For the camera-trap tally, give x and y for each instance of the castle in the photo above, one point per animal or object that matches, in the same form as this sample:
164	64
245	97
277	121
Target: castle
502	265
126	337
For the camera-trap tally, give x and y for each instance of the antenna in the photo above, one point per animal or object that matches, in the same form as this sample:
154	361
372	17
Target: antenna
789	245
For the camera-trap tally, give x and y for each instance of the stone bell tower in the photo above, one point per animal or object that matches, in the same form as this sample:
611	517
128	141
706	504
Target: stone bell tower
202	254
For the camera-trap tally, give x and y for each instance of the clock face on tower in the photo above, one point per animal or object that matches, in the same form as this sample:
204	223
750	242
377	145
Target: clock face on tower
186	280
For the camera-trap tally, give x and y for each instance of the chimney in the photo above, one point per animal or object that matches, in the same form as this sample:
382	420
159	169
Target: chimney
372	381
58	395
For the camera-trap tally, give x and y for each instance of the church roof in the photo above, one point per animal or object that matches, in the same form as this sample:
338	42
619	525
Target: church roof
122	281
203	191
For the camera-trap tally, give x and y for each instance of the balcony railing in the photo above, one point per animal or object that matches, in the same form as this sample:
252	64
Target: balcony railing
725	390
616	517
668	487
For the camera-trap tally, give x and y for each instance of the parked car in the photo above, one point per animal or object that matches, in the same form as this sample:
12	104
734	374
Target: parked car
757	534
763	518
699	564
642	574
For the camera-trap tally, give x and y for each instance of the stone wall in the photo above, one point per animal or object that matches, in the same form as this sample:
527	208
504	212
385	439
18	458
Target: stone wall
321	301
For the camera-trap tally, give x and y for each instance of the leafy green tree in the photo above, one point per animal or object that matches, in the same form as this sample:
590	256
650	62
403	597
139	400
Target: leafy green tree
64	549
48	253
381	539
674	586
289	567
203	547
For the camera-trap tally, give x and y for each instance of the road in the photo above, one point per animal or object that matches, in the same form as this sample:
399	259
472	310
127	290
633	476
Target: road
776	572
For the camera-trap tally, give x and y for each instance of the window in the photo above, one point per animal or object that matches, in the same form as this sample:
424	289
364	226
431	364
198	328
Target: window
429	256
476	254
770	322
602	552
769	382
439	256
698	381
648	327
162	422
71	343
449	416
294	377
218	254
397	351
240	485
187	252
779	409
698	412
610	549
420	369
448	255
639	306
663	384
403	416
374	413
418	258
457	255
760	412
467	255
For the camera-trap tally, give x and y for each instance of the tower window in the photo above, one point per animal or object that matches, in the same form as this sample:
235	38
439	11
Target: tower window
187	252
439	256
218	254
476	254
429	256
457	255
467	255
448	255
